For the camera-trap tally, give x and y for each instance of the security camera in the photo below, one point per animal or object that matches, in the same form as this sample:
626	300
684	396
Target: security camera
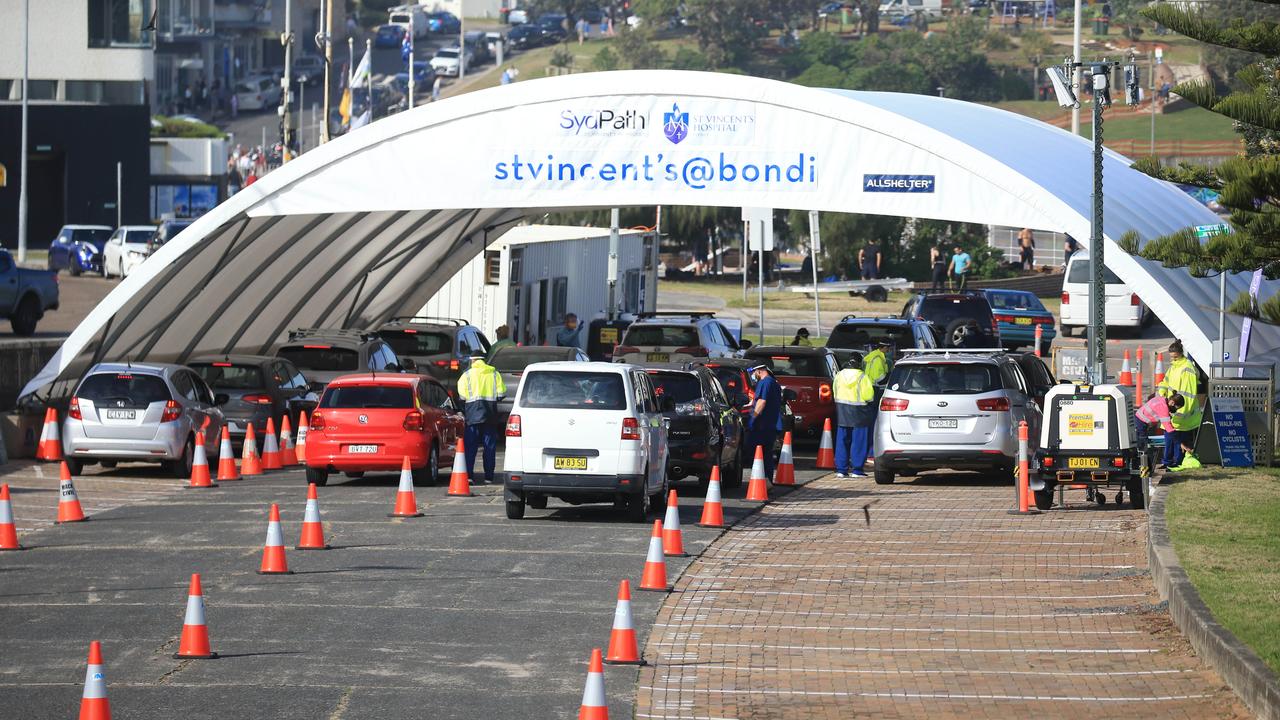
1060	76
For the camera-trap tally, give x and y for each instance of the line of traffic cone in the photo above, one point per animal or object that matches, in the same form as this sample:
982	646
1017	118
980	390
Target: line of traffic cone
785	473
758	486
69	509
8	530
300	448
459	480
1126	372
200	466
623	648
50	448
672	539
93	703
250	463
654	577
270	448
288	455
826	459
274	561
194	643
712	507
594	706
226	458
406	502
312	528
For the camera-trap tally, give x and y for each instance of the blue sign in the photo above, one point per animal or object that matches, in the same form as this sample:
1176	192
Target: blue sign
1233	433
898	183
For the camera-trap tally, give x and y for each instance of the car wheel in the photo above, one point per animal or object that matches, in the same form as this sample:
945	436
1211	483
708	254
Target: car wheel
659	502
181	468
515	509
74	268
317	476
1044	498
75	466
429	474
109	464
1065	330
884	477
1134	487
962	333
733	476
26	316
538	502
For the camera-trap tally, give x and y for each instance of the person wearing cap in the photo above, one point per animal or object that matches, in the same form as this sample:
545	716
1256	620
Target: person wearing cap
503	334
765	420
855	415
1180	379
876	364
480	388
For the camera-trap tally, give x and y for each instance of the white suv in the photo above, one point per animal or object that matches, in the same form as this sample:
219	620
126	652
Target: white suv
586	432
1123	309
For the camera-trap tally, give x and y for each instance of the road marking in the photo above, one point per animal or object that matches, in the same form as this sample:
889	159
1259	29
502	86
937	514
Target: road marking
976	651
899	566
952	581
985	616
854	628
938	696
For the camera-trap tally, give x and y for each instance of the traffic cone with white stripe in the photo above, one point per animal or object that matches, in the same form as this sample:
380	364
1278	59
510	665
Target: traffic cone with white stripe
69	509
655	564
52	443
200	466
459	481
226	458
1126	372
672	539
250	463
785	473
758	487
94	704
406	501
194	643
1158	375
273	558
8	531
270	448
826	449
300	448
312	528
594	706
44	434
623	648
288	456
712	507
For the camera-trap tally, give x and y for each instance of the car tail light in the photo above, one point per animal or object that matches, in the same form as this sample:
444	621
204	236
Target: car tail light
999	404
318	347
624	349
513	426
73	411
413	421
693	350
824	393
1133	299
630	429
1066	298
893	404
1048	461
1118	462
1042	321
171	411
1005	318
257	399
317	421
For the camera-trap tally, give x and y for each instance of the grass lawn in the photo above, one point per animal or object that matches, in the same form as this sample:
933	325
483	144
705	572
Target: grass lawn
731	294
1226	529
1189	123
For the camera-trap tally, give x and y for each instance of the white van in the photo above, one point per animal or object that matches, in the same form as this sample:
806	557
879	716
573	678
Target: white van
1124	309
410	17
892	9
586	432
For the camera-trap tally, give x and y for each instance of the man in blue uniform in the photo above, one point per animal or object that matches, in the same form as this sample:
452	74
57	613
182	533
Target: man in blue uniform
766	416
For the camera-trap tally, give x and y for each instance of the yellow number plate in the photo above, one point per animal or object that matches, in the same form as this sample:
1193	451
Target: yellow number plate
1087	463
1022	321
609	336
570	463
658	357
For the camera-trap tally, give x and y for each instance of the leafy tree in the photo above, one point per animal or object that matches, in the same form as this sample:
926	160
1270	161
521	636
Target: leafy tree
638	50
725	29
606	59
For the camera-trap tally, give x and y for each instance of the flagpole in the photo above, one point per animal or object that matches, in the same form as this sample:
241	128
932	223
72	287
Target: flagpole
412	84
368	52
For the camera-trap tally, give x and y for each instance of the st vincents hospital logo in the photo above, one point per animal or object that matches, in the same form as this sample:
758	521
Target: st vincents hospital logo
675	124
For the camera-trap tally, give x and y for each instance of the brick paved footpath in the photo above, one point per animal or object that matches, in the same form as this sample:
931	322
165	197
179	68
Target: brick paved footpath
944	606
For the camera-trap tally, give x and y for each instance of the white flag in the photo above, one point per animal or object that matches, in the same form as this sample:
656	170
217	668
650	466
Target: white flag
360	75
360	120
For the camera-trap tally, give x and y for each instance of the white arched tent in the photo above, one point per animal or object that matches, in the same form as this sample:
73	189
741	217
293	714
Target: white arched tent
371	225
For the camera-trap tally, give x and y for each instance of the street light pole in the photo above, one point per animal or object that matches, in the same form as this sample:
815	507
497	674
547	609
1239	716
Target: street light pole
1075	73
1097	288
462	43
22	176
412	85
286	95
325	42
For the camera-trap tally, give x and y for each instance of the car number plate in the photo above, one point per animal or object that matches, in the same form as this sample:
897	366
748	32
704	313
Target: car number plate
122	414
570	463
362	449
1083	462
944	424
658	357
1022	321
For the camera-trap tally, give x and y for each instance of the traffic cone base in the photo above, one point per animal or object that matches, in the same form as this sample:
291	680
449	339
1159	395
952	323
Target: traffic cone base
200	466
826	459
270	449
406	502
312	528
785	473
459	480
758	487
8	530
226	458
654	578
250	463
712	507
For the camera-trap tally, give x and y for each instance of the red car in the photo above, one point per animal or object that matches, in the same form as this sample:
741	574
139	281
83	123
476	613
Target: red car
808	371
370	422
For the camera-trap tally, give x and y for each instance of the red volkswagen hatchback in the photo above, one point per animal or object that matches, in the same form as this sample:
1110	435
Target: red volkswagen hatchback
372	421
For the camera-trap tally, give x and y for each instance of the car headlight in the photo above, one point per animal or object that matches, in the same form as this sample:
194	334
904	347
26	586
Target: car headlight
136	255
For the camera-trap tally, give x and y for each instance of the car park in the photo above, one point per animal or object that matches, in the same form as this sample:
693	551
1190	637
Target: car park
78	248
808	372
511	362
371	422
961	320
478	43
861	334
126	249
1123	308
1018	313
676	337
389	36
258	388
325	353
954	409
705	429
554	25
140	412
445	62
423	77
439	347
25	294
257	93
586	433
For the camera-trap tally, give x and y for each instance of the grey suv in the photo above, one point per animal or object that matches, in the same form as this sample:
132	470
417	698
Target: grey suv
677	337
440	347
956	409
323	354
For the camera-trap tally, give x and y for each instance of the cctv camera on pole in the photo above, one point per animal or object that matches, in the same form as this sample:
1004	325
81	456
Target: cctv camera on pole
1060	77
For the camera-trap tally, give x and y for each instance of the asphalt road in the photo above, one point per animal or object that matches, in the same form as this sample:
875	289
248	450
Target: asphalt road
459	614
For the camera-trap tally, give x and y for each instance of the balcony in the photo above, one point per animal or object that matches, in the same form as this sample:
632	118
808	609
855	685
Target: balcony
178	20
229	14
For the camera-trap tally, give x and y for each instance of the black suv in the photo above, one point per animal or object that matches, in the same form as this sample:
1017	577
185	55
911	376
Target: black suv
961	320
325	353
440	347
706	428
862	334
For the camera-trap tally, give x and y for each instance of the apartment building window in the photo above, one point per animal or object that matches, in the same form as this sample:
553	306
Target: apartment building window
119	23
110	92
40	89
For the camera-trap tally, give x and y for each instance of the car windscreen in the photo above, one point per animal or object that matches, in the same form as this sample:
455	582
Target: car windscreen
666	335
1082	269
139	237
576	390
229	376
857	337
321	359
417	342
796	365
123	390
1015	301
96	238
680	387
368	396
731	378
945	379
943	310
511	360
442	53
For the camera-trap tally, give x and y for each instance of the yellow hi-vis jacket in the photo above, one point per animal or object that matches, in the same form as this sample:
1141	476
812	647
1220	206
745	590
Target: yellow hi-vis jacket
854	394
1180	379
479	388
875	365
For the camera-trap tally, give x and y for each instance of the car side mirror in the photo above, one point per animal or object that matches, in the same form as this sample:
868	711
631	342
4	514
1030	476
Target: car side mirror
316	386
789	395
221	399
667	403
745	344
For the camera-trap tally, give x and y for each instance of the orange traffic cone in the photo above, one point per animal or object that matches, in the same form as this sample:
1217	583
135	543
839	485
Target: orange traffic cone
1158	375
712	508
785	473
594	706
312	528
300	448
459	481
94	704
44	434
288	456
655	565
672	539
623	649
1126	372
270	448
52	444
226	458
200	466
250	464
273	559
758	487
8	531
69	509
195	634
826	449
406	501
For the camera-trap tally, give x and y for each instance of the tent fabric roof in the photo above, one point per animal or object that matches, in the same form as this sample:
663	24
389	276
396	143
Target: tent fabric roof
369	226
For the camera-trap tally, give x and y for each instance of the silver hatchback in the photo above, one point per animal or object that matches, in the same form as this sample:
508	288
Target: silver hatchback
953	409
141	413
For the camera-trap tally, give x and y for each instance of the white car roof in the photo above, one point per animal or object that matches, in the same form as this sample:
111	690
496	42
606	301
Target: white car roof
574	366
86	227
133	228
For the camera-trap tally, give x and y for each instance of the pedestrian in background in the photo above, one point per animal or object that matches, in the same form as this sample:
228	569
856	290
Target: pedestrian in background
1027	249
480	388
802	338
569	334
854	394
765	420
960	262
938	260
503	333
435	89
1069	247
869	260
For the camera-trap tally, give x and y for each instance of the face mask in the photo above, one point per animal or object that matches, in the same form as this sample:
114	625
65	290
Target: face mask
571	324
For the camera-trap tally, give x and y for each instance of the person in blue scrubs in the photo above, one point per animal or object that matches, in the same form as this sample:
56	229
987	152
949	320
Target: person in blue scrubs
766	417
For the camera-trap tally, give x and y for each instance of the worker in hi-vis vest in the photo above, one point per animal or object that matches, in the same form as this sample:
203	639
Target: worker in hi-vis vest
1180	379
855	396
480	388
